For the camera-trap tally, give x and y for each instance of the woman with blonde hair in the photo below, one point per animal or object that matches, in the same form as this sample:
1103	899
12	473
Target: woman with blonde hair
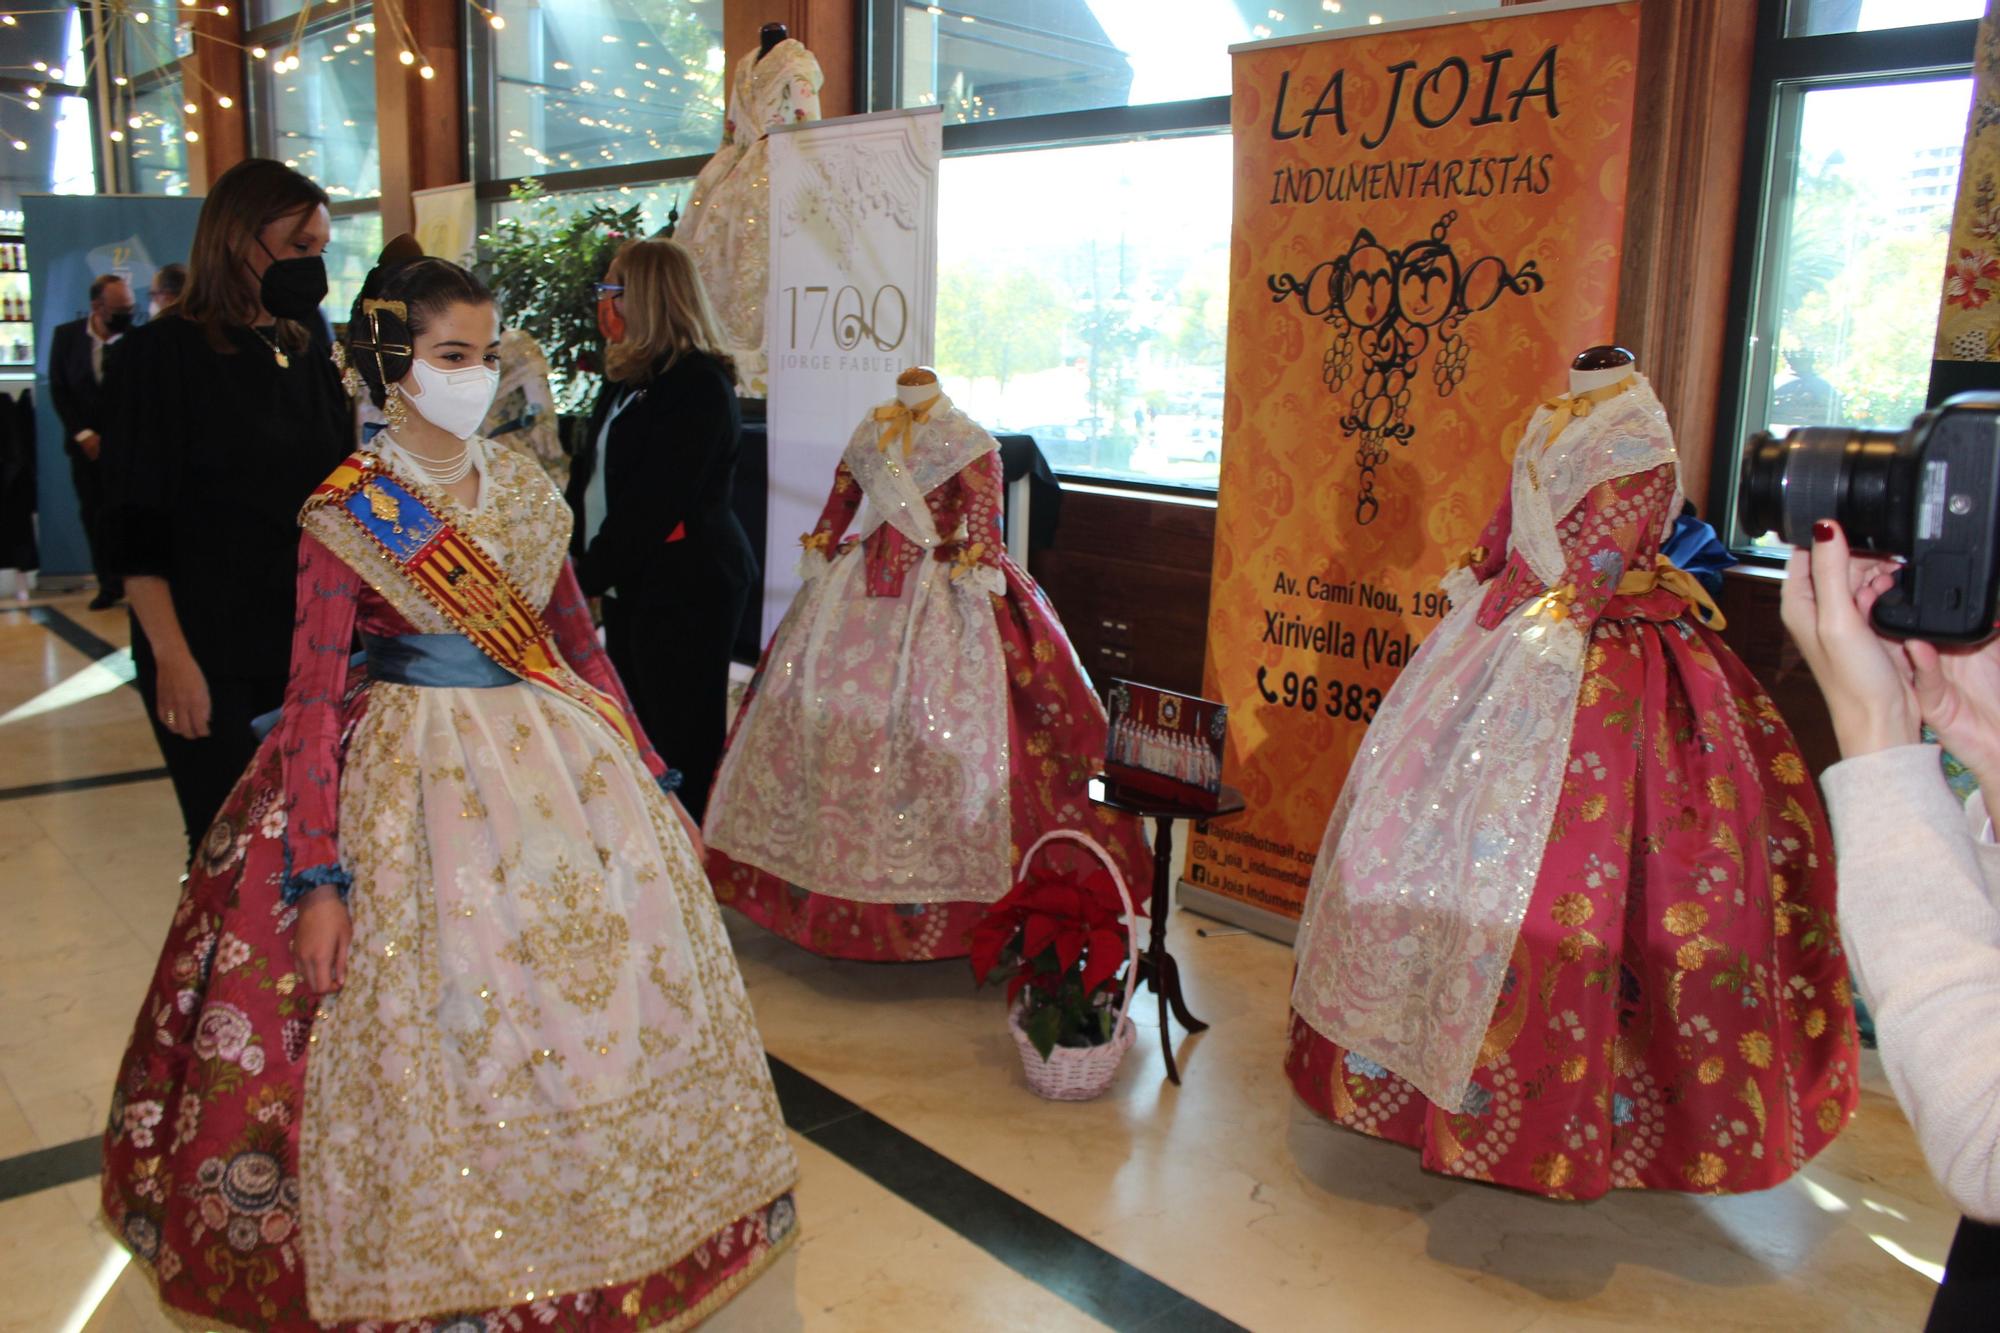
657	538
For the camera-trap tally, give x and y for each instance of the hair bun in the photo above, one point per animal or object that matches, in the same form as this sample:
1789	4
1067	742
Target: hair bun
401	250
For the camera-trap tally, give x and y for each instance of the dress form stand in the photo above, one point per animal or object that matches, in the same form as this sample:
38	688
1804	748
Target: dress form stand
1601	367
1157	967
770	36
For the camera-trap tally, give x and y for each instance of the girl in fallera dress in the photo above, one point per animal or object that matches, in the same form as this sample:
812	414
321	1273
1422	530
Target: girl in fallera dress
446	1029
1572	926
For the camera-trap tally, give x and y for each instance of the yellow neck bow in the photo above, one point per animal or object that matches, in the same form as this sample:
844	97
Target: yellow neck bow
898	420
1576	406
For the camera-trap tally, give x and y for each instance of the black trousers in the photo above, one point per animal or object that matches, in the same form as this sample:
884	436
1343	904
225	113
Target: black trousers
88	478
675	665
205	771
1969	1297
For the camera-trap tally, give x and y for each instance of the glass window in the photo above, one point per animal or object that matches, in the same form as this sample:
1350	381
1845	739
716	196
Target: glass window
154	143
270	11
1103	339
1816	18
1860	213
593	83
990	59
356	242
148	125
320	117
660	204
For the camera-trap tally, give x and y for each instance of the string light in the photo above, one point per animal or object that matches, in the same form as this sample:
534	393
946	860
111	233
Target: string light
225	101
407	57
258	53
427	72
9	20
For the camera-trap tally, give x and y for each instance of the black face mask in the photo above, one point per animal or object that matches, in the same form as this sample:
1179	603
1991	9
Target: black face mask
292	288
118	321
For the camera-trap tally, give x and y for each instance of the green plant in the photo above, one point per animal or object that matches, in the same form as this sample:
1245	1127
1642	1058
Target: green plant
541	267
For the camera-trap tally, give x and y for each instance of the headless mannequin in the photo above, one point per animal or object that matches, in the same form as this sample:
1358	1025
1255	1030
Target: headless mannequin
1601	367
917	386
772	34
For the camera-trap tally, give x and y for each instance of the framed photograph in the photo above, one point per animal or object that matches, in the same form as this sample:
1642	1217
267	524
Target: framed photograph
1165	744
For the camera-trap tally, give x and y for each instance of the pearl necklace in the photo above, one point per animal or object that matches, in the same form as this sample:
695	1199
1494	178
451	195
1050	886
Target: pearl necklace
447	474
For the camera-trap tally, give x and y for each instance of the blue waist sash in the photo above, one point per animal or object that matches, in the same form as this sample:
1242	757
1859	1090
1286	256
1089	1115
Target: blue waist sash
434	661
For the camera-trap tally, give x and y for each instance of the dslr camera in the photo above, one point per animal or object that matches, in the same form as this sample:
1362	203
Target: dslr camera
1930	495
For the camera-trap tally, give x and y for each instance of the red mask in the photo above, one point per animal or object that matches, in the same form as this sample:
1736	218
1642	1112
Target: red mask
610	319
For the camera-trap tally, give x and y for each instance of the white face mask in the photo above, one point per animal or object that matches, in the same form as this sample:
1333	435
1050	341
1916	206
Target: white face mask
455	401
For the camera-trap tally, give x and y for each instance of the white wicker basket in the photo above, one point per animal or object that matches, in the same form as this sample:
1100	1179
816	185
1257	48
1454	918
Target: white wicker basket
1078	1073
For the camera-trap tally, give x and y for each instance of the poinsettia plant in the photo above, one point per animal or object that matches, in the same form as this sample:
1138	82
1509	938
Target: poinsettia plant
1060	940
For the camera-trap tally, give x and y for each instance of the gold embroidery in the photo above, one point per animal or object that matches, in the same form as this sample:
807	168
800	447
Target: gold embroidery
384	506
576	944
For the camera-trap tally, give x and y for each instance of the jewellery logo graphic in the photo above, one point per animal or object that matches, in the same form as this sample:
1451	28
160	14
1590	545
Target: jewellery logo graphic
1388	309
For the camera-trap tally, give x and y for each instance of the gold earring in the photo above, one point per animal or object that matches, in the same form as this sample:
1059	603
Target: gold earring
395	408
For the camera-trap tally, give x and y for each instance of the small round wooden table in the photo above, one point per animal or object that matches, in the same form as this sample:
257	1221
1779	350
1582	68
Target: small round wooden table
1157	967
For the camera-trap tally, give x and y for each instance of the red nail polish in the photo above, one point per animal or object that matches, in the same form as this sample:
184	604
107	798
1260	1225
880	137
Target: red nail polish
1822	530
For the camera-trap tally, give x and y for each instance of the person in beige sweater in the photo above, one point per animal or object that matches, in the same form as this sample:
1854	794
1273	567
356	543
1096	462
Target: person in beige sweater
1919	881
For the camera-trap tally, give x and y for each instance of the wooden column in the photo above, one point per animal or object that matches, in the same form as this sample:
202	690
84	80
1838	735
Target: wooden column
218	62
828	29
421	121
1680	227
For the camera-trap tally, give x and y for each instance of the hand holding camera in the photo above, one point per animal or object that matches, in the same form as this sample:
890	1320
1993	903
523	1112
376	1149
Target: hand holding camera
1830	595
1898	626
1880	689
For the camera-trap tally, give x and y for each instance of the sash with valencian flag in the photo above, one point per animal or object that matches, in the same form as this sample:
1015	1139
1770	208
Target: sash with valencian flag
459	579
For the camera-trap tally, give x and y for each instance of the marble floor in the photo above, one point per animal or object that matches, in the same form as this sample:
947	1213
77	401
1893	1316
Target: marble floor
938	1193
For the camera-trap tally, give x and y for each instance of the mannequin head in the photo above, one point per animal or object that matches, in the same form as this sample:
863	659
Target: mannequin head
917	385
1600	367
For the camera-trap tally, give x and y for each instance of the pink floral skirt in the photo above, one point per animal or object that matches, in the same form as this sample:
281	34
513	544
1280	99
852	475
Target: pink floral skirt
1677	1013
1056	742
201	1155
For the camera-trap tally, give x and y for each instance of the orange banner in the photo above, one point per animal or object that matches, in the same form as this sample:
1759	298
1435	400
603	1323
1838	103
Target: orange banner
1427	229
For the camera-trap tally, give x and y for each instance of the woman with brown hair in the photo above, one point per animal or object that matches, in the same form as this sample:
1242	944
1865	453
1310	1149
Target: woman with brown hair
656	536
224	413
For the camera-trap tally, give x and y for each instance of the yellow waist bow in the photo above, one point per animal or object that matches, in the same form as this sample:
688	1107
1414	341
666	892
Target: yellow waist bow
1666	574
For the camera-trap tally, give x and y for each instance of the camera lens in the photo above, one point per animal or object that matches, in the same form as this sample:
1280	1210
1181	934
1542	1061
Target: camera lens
1864	479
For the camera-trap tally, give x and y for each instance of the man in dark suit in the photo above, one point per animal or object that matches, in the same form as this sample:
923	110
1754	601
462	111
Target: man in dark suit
77	357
